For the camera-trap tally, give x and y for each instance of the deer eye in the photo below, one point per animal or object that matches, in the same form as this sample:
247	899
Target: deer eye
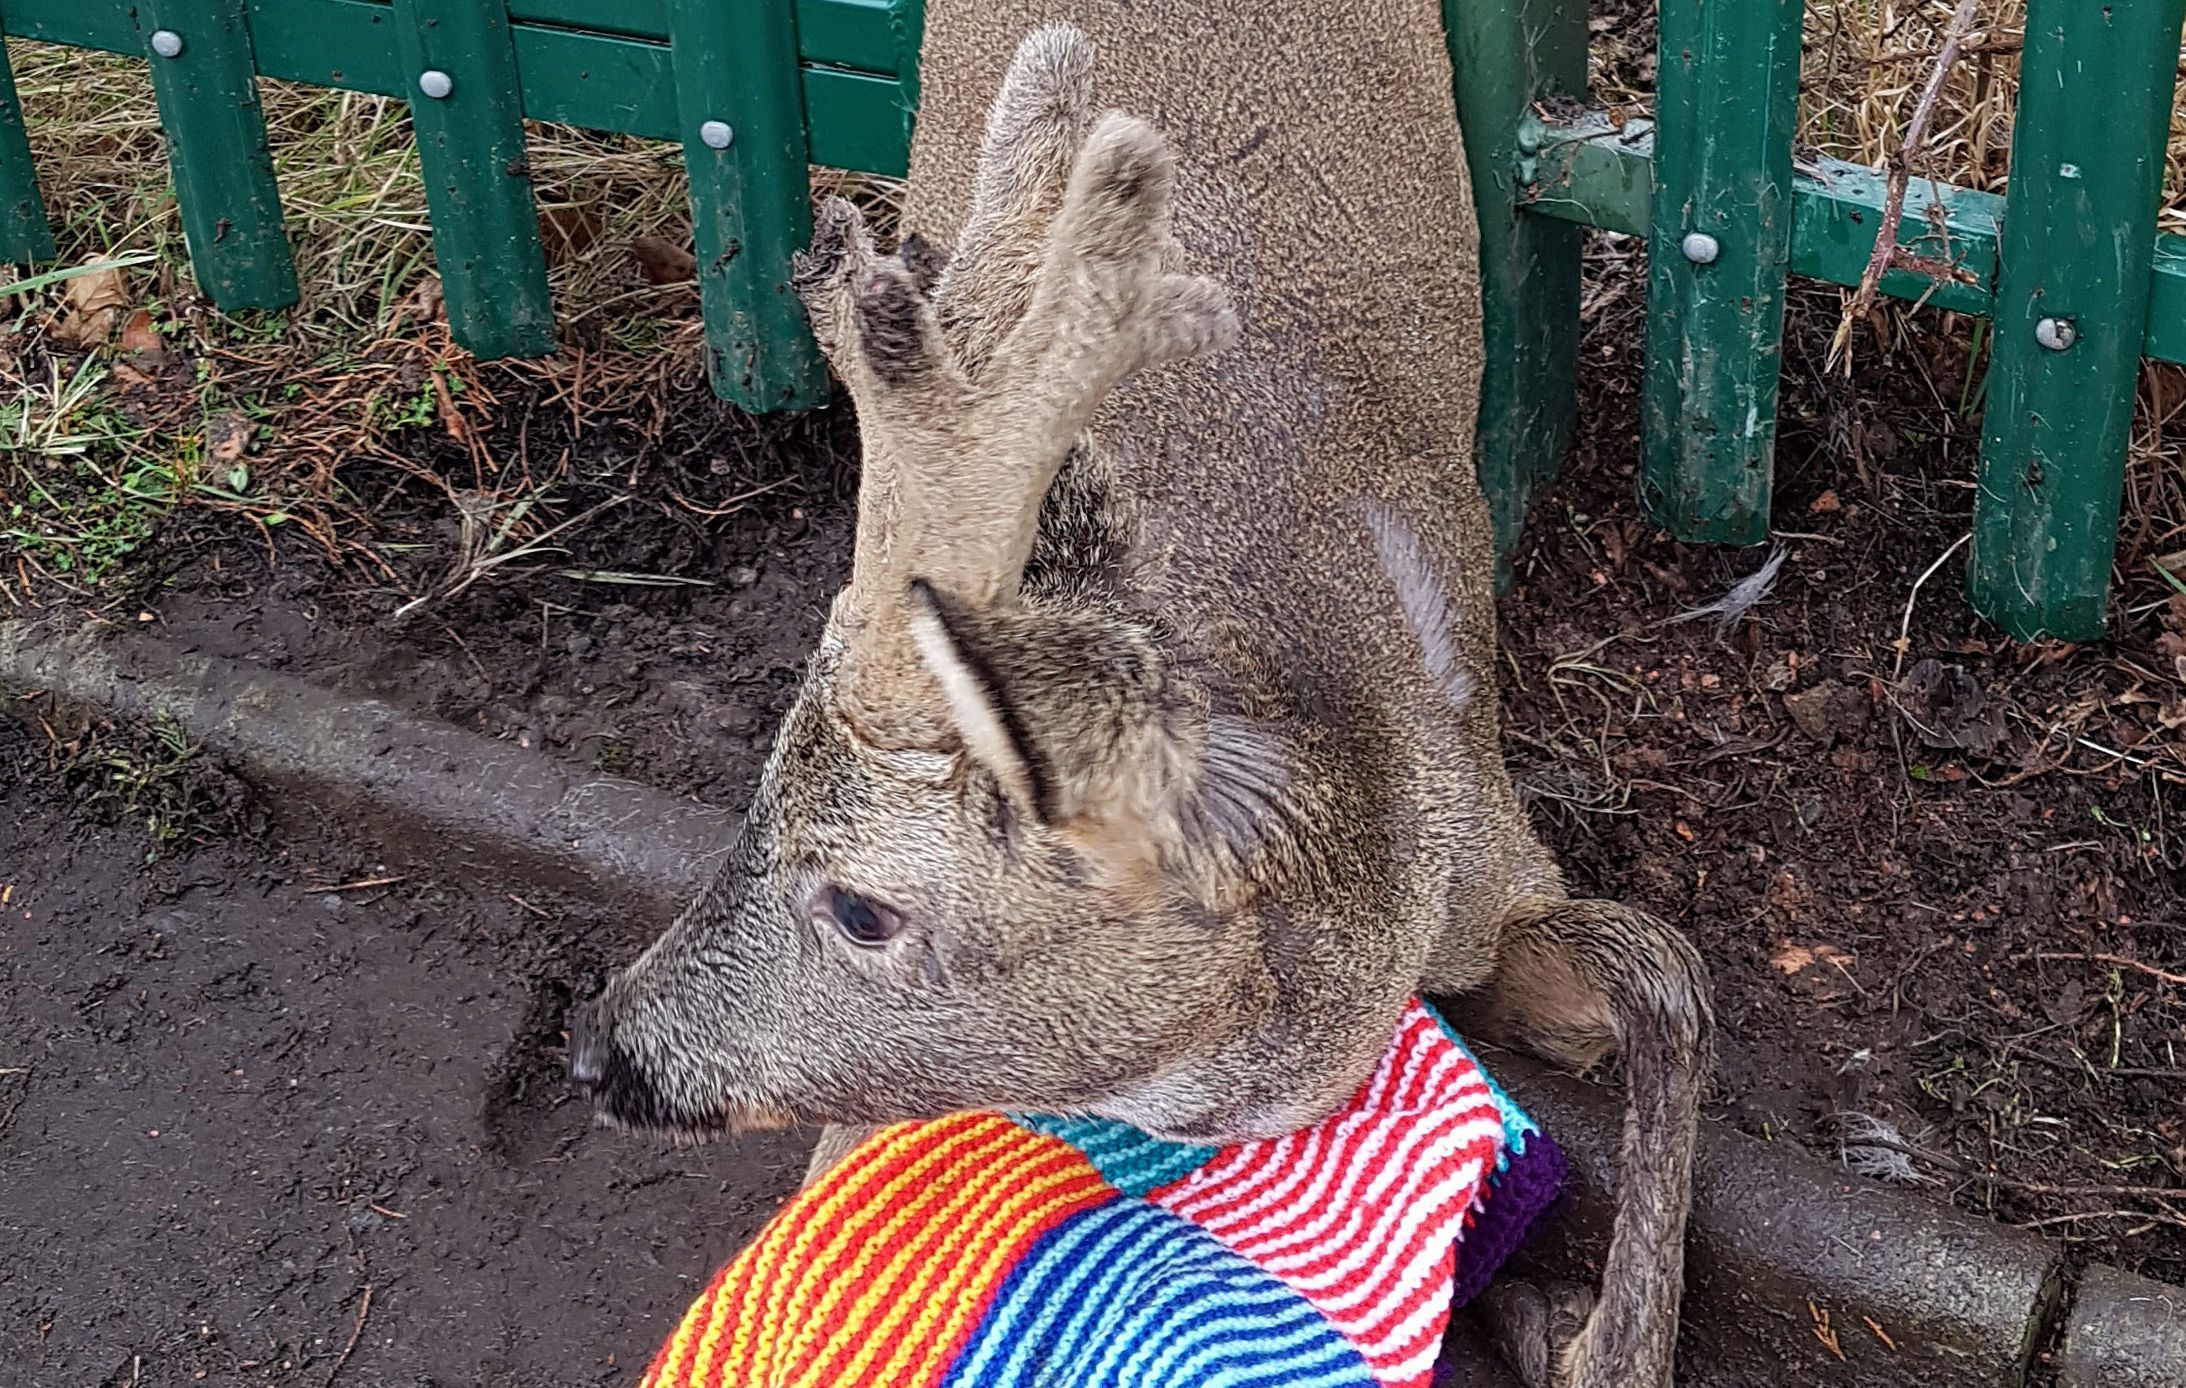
862	920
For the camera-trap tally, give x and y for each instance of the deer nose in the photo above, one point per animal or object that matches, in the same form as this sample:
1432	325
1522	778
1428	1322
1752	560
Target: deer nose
587	1047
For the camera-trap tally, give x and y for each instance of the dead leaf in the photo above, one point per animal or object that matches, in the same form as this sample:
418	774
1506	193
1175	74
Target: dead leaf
226	437
139	336
1829	710
662	261
1947	707
1825	503
92	302
567	231
1791	959
421	305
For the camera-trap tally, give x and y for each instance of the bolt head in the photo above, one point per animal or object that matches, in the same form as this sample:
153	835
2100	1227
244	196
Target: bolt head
435	83
716	134
1700	248
167	43
2056	333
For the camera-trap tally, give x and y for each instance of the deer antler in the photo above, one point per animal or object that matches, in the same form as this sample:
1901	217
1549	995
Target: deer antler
963	436
1034	131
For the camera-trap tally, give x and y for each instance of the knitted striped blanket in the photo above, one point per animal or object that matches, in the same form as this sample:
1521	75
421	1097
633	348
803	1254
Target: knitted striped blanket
992	1251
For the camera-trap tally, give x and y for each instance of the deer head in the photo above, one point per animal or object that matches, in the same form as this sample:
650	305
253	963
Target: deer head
967	878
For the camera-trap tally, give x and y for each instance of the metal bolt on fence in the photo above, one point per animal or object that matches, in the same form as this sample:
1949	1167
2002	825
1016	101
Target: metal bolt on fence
2055	333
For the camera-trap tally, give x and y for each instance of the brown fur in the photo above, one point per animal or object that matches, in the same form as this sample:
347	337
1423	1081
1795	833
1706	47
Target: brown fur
1157	718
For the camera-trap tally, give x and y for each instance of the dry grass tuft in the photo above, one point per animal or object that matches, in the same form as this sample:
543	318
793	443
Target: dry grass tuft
1863	65
354	200
254	413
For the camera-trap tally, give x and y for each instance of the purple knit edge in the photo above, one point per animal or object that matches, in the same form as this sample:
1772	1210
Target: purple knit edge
1518	1196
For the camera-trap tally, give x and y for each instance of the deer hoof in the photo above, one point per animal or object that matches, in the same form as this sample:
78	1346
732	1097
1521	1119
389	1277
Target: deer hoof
1540	1331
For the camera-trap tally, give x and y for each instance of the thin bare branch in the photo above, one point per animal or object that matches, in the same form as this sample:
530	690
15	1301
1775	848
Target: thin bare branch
1887	253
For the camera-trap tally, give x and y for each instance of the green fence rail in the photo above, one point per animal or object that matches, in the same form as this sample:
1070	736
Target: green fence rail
2067	266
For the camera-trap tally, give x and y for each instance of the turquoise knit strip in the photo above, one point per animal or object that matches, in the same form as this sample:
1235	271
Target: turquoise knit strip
1127	1159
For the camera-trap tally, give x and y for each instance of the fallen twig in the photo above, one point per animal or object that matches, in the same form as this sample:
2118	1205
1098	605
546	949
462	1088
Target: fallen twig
1905	623
2120	961
362	883
1974	1173
2149	1219
356	1333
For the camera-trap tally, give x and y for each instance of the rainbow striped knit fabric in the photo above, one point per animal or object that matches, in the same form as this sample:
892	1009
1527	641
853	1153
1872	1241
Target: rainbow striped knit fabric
990	1251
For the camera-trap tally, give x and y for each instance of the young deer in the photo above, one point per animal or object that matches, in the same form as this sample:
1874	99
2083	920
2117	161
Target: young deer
1148	763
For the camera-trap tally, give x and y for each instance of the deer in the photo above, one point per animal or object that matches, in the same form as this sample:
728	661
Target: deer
1149	760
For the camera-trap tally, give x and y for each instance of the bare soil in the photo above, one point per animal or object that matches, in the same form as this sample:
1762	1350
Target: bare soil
233	1099
260	1125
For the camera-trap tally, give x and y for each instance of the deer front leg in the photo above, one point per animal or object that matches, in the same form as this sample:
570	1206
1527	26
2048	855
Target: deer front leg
1576	979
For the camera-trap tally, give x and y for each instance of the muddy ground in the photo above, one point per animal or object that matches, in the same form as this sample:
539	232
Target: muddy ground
225	1082
258	1125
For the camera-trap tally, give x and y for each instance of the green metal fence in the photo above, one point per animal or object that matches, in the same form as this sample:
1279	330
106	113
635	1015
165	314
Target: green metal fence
752	90
2067	266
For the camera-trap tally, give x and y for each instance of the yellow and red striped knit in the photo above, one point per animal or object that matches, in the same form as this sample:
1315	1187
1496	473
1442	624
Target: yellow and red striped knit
985	1251
908	1244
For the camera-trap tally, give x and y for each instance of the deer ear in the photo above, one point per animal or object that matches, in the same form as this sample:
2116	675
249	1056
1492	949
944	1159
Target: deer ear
961	658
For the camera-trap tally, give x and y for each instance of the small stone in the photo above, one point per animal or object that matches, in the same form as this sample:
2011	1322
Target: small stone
333	902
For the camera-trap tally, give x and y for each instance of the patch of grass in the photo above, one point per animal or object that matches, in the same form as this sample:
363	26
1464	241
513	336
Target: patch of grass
100	446
65	498
152	775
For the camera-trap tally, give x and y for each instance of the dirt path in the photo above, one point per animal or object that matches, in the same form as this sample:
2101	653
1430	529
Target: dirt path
256	1131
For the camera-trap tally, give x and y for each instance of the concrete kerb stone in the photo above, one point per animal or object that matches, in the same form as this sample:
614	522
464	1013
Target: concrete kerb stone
1797	1272
2124	1332
423	793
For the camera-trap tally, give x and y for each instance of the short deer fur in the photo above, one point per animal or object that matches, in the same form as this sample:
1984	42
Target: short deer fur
1148	762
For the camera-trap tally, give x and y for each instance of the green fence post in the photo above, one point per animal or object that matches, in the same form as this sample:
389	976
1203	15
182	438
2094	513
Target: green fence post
1718	247
459	68
1504	57
907	26
205	80
740	104
2071	310
24	235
